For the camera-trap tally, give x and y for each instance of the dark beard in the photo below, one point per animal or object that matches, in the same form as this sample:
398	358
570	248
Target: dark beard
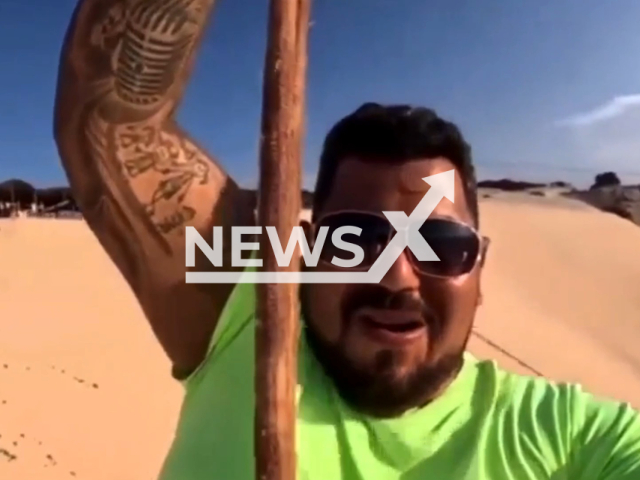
376	391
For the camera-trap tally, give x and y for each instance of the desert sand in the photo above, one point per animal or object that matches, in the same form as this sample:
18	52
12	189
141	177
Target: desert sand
85	390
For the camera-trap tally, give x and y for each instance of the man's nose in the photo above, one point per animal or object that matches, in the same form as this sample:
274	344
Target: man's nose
401	275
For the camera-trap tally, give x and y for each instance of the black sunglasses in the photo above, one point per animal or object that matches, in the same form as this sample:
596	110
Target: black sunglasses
457	245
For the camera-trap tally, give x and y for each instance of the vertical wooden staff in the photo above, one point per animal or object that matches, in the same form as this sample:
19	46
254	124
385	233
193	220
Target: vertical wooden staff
279	204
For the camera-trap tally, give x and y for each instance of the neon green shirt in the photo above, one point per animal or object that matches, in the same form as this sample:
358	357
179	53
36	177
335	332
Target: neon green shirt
489	425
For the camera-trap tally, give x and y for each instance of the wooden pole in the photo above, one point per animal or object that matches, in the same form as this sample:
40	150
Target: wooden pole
279	204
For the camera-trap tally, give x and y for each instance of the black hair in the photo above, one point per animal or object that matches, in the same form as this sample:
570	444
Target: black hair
395	133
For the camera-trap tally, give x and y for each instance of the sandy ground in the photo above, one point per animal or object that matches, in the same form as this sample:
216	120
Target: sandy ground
85	390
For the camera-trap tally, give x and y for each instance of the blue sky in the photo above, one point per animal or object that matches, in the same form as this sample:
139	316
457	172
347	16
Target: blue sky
542	89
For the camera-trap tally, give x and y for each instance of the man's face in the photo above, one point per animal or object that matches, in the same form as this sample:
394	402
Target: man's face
395	345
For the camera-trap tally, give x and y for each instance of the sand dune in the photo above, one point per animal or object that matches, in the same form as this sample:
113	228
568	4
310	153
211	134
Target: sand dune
562	291
84	382
85	390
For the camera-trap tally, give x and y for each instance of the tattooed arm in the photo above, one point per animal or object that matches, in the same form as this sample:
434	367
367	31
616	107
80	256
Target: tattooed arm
138	178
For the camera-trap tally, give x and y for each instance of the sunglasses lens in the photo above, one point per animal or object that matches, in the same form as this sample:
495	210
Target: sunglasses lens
373	236
456	245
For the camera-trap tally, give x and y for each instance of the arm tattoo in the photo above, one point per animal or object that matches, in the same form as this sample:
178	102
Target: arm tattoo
174	160
148	44
154	47
133	56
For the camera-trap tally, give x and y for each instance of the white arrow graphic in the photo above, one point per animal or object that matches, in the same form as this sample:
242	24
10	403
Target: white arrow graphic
407	236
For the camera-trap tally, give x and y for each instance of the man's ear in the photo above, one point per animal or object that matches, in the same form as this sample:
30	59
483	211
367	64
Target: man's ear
486	241
306	229
484	248
307	232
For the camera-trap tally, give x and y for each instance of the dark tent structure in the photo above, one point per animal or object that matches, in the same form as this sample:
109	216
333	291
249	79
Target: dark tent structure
17	191
21	195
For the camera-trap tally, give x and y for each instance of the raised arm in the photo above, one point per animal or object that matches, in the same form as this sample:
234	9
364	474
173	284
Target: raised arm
137	177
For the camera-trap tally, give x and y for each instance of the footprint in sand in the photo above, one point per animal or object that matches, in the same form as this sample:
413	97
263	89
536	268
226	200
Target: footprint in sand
6	455
77	379
11	454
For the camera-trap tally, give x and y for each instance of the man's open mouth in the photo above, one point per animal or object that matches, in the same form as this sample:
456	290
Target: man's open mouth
399	327
392	326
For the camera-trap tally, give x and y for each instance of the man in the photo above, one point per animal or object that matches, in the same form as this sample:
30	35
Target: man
385	390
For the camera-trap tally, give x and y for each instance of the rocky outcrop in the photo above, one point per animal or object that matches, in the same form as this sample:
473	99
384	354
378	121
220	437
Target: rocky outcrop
620	200
609	195
606	179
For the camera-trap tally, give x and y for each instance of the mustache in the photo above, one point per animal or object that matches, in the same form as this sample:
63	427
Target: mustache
380	297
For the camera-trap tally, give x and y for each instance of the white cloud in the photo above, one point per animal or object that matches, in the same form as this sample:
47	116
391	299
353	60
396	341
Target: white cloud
607	138
612	109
